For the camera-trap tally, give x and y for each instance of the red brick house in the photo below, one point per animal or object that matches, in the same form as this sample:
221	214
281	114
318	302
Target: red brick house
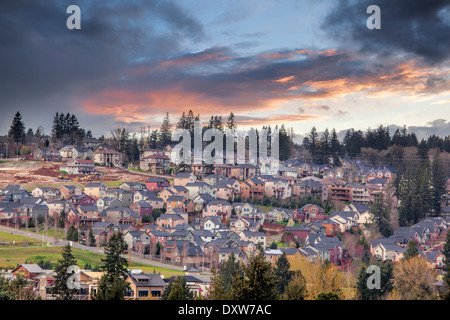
300	233
81	200
157	184
142	208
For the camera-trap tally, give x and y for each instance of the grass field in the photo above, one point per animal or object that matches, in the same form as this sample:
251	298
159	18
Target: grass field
113	184
49	233
18	240
11	257
31	186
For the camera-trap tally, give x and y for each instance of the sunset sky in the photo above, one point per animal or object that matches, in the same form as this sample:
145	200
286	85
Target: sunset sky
303	63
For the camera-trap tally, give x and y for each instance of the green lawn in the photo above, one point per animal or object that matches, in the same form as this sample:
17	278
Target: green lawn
113	184
17	239
11	257
30	186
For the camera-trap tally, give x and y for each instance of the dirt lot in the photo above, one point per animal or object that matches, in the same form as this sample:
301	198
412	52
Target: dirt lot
23	172
38	172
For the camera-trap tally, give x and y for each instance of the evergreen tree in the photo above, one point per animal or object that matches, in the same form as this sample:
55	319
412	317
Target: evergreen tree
56	128
282	273
324	147
327	296
311	143
386	282
165	132
91	238
182	122
17	131
412	250
257	283
113	284
335	148
438	190
178	290
296	288
222	279
381	215
72	234
60	286
231	122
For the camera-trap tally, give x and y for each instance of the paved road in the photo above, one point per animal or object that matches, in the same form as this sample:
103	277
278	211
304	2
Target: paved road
49	241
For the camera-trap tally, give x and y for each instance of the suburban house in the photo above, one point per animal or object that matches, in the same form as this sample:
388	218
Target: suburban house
176	202
183	178
109	157
364	215
155	161
218	207
142	208
309	212
254	237
67	191
132	186
137	240
45	192
79	166
170	220
279	214
157	184
82	153
96	190
123	195
82	199
299	233
46	154
144	286
106	202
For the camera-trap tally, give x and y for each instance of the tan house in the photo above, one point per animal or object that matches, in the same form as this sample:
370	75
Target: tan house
144	286
183	178
109	157
96	190
79	166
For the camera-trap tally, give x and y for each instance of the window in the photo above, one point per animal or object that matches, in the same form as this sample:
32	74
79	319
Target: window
143	293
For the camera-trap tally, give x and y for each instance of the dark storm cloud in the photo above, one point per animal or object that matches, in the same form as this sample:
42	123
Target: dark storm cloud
415	27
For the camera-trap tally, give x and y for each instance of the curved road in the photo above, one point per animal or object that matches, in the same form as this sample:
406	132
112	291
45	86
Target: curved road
87	248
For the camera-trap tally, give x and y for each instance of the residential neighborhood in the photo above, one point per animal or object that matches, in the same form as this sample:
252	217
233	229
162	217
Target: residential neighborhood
195	221
243	151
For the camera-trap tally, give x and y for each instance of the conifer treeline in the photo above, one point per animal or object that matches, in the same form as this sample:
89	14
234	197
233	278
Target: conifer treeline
327	148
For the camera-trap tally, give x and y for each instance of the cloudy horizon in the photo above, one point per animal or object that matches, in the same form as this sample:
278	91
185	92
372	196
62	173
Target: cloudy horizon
301	63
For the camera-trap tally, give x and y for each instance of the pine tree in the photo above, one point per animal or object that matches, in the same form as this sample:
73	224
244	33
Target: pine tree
231	122
165	132
412	250
178	290
381	215
182	122
282	273
258	282
324	144
17	131
296	288
386	282
60	286
91	238
311	143
438	186
335	148
113	284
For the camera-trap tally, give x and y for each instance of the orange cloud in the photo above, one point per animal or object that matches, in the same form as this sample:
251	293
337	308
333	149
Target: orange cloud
285	79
